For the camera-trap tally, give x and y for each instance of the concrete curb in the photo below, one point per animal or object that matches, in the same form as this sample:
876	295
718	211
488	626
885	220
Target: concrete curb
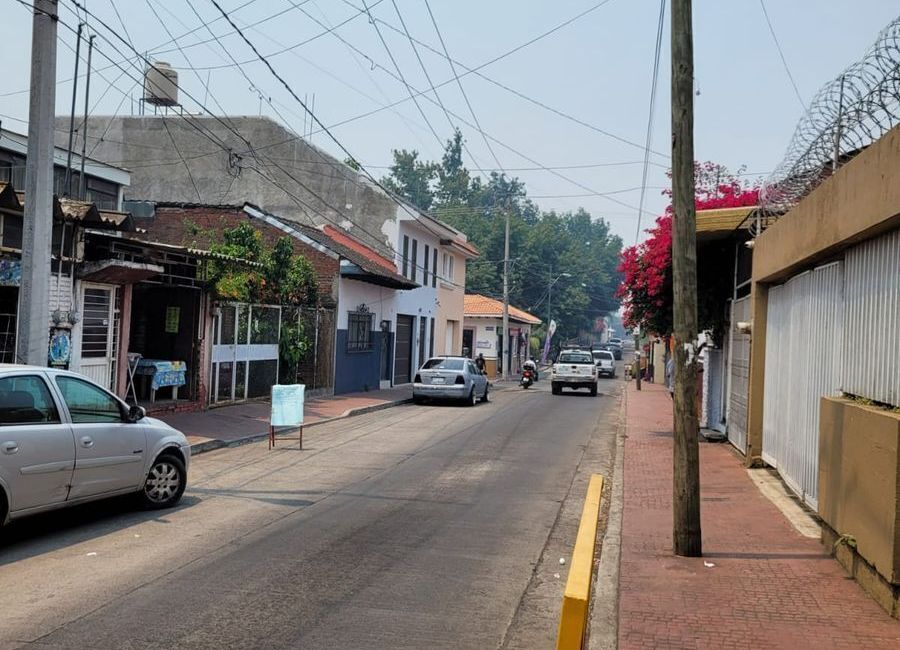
604	619
211	445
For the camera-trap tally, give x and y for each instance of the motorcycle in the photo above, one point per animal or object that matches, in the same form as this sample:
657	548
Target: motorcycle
527	378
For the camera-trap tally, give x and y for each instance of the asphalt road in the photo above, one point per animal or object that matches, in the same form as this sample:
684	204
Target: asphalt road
415	527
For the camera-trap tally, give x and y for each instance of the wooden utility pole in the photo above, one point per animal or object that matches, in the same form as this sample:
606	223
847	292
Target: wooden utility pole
686	462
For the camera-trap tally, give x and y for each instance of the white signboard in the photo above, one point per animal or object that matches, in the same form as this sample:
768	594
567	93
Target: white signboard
287	405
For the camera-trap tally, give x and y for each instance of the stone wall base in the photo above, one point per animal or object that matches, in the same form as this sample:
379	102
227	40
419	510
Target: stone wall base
884	593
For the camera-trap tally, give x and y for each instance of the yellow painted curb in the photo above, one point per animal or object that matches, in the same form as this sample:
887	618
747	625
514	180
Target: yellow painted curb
576	599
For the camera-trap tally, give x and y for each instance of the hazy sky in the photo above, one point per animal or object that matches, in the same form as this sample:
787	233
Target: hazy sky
597	70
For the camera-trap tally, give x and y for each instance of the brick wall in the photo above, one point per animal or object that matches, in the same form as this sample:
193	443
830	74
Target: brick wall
201	226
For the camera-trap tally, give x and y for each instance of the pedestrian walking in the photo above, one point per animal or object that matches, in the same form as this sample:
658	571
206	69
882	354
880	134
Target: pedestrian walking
670	375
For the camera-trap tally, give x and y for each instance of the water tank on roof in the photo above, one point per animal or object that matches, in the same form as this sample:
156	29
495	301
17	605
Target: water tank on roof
161	85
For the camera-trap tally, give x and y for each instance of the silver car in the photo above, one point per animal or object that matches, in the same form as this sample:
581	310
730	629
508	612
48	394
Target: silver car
451	378
65	440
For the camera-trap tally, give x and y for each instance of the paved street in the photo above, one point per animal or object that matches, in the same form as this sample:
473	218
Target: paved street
412	527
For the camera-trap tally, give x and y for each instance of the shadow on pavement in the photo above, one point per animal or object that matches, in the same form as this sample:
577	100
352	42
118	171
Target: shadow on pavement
273	497
52	531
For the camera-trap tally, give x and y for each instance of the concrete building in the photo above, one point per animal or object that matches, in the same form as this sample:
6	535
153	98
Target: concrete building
482	333
185	159
237	159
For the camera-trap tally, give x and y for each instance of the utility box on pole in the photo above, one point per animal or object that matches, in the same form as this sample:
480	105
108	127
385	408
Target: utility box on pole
37	229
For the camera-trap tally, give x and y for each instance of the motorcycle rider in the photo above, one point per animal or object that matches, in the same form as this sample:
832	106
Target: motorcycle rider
530	364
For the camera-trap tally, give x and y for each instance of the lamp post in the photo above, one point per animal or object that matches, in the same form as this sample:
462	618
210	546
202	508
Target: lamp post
550	294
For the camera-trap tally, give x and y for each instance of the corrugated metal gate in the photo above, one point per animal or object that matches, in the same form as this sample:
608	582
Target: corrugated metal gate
739	376
872	319
804	344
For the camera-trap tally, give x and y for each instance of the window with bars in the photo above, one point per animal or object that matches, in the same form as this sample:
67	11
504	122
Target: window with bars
414	260
425	267
359	332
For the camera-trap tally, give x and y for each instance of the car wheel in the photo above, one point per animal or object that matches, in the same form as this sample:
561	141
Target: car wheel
165	482
487	393
418	400
555	389
594	390
471	400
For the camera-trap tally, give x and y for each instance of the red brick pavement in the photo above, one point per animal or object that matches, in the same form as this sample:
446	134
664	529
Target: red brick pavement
770	587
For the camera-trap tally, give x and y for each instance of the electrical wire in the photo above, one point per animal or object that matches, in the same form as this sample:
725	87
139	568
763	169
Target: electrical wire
400	74
409	209
476	71
787	69
456	115
210	135
651	110
458	82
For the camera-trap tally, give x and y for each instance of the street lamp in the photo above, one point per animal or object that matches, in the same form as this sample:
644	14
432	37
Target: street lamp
550	292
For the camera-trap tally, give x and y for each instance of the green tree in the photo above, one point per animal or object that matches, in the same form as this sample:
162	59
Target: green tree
411	178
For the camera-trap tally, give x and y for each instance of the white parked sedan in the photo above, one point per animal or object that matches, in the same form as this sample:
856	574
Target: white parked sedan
65	440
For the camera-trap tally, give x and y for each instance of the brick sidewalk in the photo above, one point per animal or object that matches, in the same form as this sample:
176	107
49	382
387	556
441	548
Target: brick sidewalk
770	587
231	423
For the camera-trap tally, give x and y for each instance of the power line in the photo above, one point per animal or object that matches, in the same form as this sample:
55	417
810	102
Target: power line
456	115
458	82
210	135
400	74
653	85
287	86
781	54
540	104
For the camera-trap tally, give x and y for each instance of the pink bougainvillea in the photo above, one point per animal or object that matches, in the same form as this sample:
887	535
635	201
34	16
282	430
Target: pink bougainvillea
646	268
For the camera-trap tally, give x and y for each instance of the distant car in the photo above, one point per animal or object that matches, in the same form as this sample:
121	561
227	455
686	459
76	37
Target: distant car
614	349
574	369
605	362
451	378
64	440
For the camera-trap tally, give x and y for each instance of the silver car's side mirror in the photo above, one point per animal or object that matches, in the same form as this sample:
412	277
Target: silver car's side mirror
136	413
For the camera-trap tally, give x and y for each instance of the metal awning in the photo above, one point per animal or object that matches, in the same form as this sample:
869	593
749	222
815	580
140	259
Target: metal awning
116	271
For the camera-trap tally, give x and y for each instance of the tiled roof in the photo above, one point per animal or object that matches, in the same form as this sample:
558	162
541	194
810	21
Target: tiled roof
348	241
477	305
355	252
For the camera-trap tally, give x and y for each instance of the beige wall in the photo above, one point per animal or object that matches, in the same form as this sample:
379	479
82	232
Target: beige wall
450	304
859	491
861	200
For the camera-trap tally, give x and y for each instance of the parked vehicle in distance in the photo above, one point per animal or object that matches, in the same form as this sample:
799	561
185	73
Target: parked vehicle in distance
65	440
605	361
574	369
611	347
451	378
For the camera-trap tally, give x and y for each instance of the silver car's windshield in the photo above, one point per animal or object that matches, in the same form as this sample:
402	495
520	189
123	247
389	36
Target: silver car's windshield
443	364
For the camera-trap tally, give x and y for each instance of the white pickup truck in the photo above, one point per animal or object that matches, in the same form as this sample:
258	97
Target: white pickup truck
574	369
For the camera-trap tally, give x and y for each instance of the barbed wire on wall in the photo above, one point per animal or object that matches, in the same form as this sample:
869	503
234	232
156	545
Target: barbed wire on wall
847	115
